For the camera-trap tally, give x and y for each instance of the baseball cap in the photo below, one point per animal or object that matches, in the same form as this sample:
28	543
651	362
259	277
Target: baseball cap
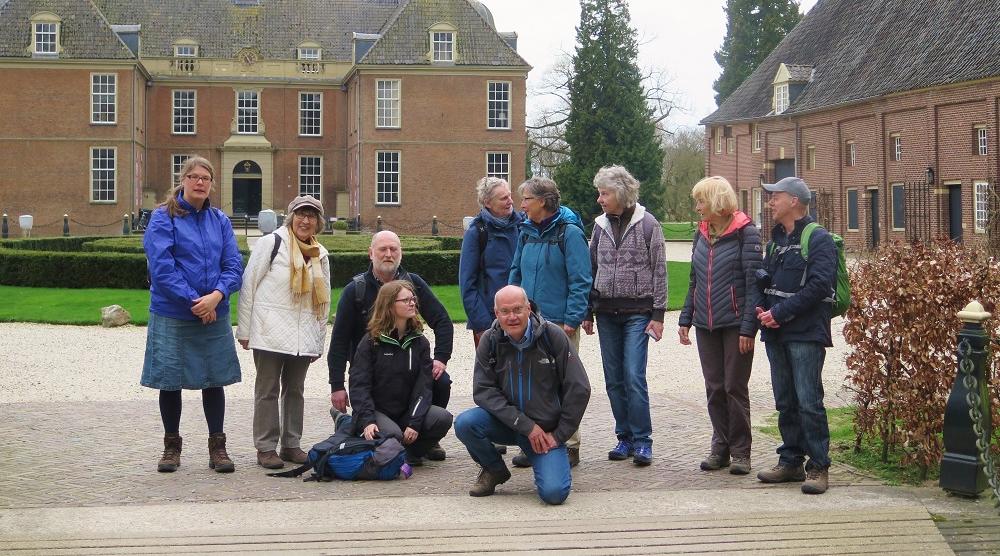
793	186
305	201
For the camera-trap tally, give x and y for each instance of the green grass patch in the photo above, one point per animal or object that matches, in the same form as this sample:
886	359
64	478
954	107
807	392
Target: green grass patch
333	243
869	459
675	231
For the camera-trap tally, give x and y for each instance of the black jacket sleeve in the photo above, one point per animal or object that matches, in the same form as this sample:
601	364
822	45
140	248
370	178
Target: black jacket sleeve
437	318
420	396
340	341
362	375
751	260
687	312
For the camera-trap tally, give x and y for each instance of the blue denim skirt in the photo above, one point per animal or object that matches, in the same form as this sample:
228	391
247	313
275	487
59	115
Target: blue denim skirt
188	354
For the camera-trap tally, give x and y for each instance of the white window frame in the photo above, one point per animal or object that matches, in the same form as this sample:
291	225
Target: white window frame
757	139
730	145
104	98
314	114
758	205
892	206
179	113
99	183
897	147
981	197
186	55
176	165
248	109
311	53
857	208
852	154
498	104
717	135
388	197
780	98
38	30
982	141
498	164
810	157
388	103
311	183
442	46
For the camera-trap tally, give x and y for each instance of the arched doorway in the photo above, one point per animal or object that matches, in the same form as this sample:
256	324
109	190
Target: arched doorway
247	178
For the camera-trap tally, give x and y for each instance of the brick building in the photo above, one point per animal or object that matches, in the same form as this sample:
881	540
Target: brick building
390	108
888	109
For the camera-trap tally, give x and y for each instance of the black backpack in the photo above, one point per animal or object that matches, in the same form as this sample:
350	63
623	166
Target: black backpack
361	288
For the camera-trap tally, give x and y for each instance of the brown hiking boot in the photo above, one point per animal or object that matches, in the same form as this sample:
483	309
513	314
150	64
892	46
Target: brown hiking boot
487	481
740	466
294	455
171	453
714	462
782	474
218	459
817	481
269	460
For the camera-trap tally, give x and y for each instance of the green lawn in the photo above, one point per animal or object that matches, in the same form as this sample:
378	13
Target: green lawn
83	306
674	231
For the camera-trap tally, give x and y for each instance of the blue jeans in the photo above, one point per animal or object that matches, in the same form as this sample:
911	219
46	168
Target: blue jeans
797	379
478	429
623	350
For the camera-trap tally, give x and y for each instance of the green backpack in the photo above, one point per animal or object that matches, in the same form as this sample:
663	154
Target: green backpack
841	298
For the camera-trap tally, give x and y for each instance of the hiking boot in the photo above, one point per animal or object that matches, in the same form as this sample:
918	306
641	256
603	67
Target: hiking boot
817	481
269	459
218	459
643	456
413	460
740	465
171	459
500	448
622	451
521	460
714	462
436	452
574	456
294	455
487	481
782	474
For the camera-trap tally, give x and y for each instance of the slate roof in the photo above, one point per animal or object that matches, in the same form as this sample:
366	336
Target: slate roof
863	49
85	33
799	73
405	39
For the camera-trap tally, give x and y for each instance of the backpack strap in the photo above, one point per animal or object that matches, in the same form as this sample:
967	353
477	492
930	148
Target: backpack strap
360	287
804	248
298	471
274	250
483	238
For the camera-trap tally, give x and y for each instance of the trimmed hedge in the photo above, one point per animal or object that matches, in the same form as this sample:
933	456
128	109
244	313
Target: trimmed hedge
72	244
438	268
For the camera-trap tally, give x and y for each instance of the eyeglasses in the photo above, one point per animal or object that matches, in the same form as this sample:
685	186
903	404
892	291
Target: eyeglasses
196	178
412	300
305	215
520	309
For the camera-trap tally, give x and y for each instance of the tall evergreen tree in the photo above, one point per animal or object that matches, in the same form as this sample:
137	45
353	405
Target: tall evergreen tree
609	121
753	29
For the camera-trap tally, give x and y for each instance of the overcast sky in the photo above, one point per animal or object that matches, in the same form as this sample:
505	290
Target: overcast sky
676	36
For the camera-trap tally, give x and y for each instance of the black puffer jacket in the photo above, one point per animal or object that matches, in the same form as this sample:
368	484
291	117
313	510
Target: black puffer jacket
723	287
392	377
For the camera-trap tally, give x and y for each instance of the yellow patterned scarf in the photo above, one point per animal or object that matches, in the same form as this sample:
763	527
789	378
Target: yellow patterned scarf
307	277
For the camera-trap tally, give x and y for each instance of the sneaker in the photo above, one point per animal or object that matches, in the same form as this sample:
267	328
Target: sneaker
574	456
487	481
412	460
643	456
740	466
817	481
521	460
435	453
782	474
622	451
269	460
714	462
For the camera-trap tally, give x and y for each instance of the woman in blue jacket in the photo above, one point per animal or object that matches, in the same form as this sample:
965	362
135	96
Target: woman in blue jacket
194	266
487	250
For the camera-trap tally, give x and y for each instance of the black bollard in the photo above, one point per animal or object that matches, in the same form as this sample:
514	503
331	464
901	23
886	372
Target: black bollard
961	468
434	226
5	232
65	225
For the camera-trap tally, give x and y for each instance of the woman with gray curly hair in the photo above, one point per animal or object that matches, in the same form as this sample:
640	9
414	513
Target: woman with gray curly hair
629	296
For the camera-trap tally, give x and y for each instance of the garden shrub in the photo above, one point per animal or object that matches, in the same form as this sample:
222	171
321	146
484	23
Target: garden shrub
55	269
73	243
436	267
902	326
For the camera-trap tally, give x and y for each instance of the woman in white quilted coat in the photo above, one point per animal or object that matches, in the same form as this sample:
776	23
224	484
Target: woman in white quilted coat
283	311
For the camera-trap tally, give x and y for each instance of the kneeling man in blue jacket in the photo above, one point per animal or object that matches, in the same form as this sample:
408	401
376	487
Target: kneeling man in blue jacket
531	390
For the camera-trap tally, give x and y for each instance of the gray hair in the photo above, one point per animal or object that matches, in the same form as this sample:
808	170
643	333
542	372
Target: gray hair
486	186
618	180
544	189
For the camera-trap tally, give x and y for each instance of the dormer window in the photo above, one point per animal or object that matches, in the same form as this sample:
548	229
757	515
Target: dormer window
45	27
789	82
442	36
780	98
309	55
186	54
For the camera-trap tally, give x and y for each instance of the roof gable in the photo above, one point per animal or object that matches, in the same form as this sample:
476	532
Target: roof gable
84	32
861	49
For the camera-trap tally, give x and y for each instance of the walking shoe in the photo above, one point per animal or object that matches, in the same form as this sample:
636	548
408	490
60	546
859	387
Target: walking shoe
487	481
171	458
817	481
335	414
500	448
414	461
435	453
643	456
740	465
714	462
521	460
269	460
782	474
622	451
218	459
294	455
574	456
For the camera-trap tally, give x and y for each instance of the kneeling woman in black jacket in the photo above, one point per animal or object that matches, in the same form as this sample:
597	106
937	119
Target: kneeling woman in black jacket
390	379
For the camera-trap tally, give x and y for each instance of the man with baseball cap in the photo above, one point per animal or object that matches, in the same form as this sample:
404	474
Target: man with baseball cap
795	329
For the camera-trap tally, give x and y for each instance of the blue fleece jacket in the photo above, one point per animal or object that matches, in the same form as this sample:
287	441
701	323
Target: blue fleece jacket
190	256
481	275
559	284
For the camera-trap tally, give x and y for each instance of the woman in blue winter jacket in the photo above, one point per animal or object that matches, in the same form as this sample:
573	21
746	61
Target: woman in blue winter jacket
487	249
194	266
